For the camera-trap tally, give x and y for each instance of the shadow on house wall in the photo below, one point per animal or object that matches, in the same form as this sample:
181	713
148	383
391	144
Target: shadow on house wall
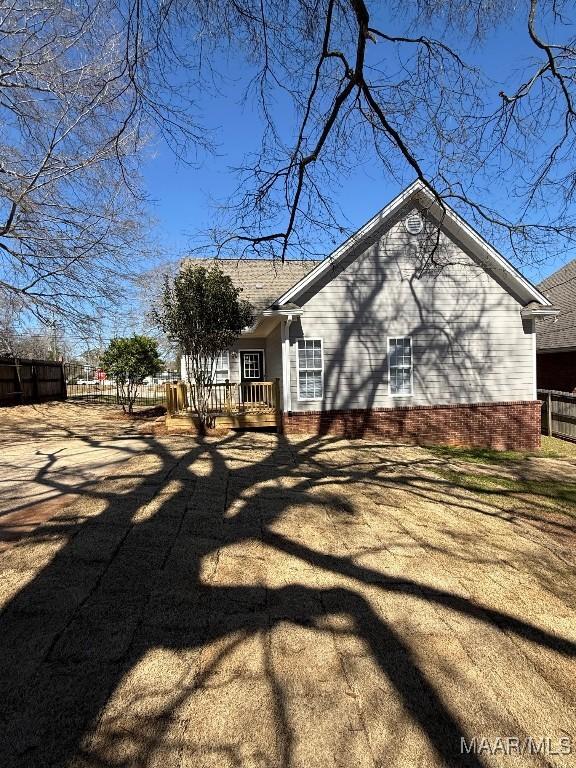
469	343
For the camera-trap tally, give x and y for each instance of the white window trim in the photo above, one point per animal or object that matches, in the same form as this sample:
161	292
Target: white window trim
401	394
227	369
309	399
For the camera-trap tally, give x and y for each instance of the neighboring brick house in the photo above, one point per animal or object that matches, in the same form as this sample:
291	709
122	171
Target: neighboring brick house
556	337
379	339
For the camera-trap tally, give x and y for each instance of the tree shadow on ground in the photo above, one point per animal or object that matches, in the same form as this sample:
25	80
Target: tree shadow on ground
136	566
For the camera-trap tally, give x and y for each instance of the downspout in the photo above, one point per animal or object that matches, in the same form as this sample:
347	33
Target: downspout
285	336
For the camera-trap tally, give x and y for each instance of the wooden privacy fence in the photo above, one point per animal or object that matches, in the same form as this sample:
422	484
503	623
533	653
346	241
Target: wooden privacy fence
228	399
558	413
29	381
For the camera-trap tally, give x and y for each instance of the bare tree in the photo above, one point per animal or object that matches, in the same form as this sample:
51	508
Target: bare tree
27	341
412	106
201	311
82	89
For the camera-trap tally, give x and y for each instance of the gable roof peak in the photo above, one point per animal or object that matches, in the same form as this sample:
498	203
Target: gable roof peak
452	223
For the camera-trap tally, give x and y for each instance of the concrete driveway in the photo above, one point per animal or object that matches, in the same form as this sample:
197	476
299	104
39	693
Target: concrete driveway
257	602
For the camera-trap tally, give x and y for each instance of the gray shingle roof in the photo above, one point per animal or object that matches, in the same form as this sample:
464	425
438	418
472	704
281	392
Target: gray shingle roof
560	288
262	280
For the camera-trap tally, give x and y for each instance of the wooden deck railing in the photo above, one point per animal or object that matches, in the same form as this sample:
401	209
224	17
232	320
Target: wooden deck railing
228	398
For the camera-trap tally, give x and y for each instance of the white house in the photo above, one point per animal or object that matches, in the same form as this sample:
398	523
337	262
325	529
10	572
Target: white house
415	329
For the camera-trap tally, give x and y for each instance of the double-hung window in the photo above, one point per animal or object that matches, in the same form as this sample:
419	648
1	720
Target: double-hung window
222	370
400	365
310	369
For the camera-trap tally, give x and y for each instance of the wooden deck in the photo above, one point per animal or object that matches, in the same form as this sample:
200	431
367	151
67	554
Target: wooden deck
237	406
233	421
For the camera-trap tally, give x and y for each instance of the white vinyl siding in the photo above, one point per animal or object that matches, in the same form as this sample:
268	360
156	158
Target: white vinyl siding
221	371
310	369
400	365
468	341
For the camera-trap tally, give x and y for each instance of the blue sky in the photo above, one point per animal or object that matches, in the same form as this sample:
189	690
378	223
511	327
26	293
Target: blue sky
182	196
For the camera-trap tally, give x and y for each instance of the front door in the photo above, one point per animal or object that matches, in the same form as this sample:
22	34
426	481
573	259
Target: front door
251	371
251	366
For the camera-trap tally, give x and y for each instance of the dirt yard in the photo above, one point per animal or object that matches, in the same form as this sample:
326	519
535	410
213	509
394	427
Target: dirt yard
257	602
49	451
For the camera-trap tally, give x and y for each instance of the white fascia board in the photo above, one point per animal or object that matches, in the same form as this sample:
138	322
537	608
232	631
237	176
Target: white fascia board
283	312
454	223
339	253
280	313
552	312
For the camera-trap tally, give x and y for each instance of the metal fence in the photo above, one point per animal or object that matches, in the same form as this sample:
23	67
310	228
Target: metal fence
30	381
558	413
89	384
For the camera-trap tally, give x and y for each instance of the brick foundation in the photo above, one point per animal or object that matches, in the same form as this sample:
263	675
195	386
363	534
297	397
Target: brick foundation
501	426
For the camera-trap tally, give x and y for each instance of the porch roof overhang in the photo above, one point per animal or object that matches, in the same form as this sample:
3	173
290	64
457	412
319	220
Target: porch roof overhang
535	309
269	319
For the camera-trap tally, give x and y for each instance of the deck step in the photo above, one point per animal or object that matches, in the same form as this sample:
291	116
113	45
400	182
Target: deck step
236	420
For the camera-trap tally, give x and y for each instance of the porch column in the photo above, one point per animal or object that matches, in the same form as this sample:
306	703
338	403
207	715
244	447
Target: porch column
285	337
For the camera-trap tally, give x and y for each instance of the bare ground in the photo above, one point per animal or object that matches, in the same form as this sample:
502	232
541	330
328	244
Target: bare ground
50	451
256	601
43	421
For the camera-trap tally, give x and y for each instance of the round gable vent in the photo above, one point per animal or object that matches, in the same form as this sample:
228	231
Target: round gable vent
414	224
